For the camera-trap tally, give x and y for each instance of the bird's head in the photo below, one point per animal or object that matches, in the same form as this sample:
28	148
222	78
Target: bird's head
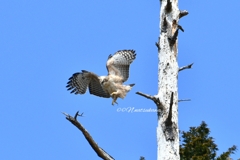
103	79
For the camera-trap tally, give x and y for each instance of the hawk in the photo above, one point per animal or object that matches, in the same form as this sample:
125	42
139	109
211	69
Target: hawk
106	86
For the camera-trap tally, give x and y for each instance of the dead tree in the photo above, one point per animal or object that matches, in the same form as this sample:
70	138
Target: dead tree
167	98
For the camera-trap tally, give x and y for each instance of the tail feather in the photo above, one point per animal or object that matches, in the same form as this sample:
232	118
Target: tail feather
131	85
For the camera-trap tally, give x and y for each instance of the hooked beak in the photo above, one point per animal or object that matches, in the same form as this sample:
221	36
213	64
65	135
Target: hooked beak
102	81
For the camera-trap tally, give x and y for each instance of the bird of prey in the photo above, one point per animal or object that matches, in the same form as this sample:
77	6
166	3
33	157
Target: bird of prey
106	86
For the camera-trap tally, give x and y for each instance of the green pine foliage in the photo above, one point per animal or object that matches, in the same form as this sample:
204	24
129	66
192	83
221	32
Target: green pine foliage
196	144
226	155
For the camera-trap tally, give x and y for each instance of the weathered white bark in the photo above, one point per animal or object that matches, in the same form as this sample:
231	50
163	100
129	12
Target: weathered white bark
167	98
168	147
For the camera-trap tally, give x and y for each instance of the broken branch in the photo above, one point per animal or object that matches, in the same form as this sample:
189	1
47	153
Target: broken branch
182	100
146	96
183	13
185	67
157	44
153	98
180	27
100	152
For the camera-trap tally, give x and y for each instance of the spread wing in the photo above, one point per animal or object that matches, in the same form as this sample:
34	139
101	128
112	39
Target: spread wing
119	63
79	82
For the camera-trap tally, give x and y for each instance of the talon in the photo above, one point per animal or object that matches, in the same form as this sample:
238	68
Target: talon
114	101
113	93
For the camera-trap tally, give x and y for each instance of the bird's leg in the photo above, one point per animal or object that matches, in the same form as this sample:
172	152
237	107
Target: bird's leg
114	100
114	93
114	96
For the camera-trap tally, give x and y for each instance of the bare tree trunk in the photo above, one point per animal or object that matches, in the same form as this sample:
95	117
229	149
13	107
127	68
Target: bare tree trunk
167	135
167	97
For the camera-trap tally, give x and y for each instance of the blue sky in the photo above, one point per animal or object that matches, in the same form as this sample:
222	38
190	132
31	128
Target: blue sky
43	43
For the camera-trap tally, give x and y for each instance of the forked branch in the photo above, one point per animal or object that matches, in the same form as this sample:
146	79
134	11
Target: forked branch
100	152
